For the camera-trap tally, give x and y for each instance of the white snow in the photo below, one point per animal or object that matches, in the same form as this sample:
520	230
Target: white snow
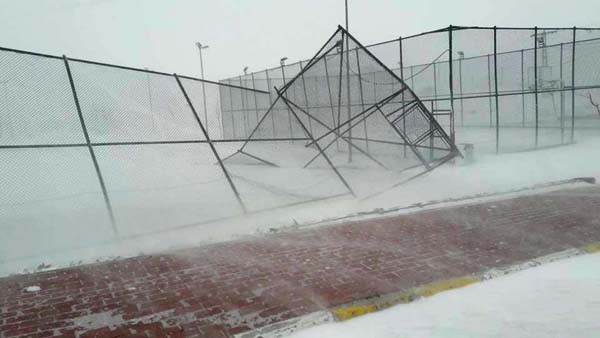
560	299
33	288
153	195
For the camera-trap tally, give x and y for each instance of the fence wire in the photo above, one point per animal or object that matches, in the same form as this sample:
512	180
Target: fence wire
507	89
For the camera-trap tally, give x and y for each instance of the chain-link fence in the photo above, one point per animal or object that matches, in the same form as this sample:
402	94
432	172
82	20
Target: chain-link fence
92	151
501	89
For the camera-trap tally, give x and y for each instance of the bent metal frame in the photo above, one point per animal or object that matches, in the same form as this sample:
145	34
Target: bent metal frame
404	113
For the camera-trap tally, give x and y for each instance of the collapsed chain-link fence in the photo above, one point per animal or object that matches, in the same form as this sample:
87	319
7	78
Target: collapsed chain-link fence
90	152
500	89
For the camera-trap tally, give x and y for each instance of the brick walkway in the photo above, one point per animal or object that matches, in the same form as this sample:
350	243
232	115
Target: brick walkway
228	288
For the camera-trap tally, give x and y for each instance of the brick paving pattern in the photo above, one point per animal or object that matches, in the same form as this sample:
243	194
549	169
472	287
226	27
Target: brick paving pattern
223	289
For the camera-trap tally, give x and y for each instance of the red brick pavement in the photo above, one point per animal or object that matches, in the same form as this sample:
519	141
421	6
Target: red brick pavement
228	288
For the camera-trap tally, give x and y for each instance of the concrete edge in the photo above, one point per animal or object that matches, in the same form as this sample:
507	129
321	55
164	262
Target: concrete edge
287	327
365	306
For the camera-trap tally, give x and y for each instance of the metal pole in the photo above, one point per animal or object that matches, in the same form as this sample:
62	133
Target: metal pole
349	107
523	87
535	72
562	98
232	112
496	89
432	134
271	103
212	146
285	95
109	208
339	112
346	8
306	99
489	87
403	104
460	82
573	88
321	151
362	101
255	98
331	101
244	115
434	87
451	80
203	89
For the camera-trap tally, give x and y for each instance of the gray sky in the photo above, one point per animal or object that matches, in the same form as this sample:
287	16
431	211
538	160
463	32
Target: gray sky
160	34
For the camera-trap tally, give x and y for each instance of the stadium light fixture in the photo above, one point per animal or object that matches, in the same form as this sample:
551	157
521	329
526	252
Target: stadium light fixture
200	48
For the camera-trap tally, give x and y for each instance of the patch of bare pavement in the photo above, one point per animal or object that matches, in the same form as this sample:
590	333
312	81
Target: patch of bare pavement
225	289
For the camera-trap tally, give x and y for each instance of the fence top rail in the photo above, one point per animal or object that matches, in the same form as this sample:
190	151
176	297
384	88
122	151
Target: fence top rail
19	51
441	30
455	60
507	52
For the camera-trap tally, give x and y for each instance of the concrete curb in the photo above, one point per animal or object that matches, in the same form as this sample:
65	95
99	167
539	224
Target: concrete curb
365	306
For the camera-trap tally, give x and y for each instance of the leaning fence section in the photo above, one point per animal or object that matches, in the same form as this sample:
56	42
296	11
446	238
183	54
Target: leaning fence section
501	89
91	152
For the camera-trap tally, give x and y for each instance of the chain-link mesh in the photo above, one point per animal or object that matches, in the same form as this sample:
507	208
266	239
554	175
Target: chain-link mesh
90	152
36	103
360	130
517	125
341	120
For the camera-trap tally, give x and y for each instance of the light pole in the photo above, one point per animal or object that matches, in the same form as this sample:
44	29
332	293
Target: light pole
200	48
282	63
246	70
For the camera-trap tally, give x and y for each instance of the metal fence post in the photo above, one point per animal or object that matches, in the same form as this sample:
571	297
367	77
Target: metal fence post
573	87
435	91
535	76
460	83
255	99
212	146
562	98
431	143
489	87
496	89
339	112
451	79
244	115
348	93
271	102
331	101
91	149
402	77
306	99
289	113
232	112
523	88
362	101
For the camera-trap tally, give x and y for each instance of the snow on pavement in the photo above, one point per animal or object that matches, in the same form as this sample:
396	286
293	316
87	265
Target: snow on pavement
560	299
81	243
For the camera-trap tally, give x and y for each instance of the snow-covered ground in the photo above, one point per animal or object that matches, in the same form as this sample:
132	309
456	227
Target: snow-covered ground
158	208
560	299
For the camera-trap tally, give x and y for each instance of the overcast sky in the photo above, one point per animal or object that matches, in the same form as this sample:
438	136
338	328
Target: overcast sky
160	34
